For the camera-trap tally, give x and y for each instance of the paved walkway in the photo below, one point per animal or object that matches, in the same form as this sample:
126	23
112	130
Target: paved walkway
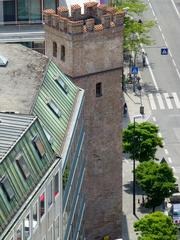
133	100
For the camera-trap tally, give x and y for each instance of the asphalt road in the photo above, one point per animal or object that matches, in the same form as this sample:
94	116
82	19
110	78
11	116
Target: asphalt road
162	77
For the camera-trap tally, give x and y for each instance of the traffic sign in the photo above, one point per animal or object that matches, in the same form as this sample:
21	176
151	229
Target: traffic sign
134	70
164	51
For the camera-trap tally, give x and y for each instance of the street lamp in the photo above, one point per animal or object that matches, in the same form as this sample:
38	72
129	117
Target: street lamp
134	163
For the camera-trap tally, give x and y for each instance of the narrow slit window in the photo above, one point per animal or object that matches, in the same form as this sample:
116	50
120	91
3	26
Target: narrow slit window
42	204
54	108
21	163
56	184
62	52
7	188
54	49
35	215
98	89
39	146
50	194
62	85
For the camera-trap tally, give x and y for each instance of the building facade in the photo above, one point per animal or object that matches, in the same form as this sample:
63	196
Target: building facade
42	151
88	48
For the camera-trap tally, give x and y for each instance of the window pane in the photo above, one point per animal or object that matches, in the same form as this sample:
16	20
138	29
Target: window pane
54	108
56	184
39	146
22	166
27	227
49	4
62	85
50	194
9	10
34	216
35	10
23	10
6	186
42	204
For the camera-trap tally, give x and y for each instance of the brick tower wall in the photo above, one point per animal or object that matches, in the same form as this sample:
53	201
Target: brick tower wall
93	54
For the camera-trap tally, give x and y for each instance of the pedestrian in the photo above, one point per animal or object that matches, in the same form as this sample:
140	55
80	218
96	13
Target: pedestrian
125	108
143	59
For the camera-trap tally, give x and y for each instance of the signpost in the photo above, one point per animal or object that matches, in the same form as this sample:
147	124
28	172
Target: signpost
134	70
164	51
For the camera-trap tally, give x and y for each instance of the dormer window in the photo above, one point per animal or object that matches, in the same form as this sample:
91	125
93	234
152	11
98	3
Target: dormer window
62	85
6	187
22	166
39	146
54	108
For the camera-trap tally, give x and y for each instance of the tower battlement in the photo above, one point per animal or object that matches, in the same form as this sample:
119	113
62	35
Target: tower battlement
95	18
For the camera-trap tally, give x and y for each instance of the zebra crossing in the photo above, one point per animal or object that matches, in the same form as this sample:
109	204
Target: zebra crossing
164	101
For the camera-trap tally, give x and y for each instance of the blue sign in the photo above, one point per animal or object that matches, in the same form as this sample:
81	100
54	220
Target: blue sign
164	51
134	70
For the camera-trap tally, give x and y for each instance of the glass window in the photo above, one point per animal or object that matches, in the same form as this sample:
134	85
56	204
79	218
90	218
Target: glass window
62	52
54	49
62	85
35	217
42	204
35	10
6	186
98	89
50	194
27	227
9	10
54	108
50	4
56	184
39	146
23	14
22	165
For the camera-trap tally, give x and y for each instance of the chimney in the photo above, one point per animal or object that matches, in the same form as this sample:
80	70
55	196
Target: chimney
63	11
76	12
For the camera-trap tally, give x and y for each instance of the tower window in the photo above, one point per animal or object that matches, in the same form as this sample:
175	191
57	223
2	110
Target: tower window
62	52
98	89
7	188
54	49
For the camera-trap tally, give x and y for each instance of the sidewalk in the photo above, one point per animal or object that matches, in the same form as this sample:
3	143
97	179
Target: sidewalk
133	100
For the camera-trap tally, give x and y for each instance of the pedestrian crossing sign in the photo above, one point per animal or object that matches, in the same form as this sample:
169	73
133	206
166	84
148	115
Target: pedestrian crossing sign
134	70
164	51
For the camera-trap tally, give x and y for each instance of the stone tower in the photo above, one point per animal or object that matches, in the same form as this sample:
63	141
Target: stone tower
88	48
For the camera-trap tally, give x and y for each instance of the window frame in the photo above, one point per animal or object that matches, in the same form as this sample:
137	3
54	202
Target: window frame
37	212
43	216
62	85
50	183
6	192
34	141
56	194
51	104
99	89
18	158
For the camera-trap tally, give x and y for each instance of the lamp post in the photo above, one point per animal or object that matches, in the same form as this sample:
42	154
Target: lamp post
134	162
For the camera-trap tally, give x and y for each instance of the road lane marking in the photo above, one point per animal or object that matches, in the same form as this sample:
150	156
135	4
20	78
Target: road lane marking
160	29
169	160
176	99
166	151
168	101
160	101
152	102
174	5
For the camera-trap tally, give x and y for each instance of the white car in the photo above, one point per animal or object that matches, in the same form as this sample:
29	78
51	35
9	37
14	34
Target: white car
3	61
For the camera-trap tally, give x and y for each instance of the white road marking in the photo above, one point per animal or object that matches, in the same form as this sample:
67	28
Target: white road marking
152	102
163	36
169	160
170	53
154	119
160	29
166	151
160	101
174	5
176	99
168	101
173	62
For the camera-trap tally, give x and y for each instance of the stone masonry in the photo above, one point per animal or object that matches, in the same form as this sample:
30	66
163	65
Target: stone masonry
92	44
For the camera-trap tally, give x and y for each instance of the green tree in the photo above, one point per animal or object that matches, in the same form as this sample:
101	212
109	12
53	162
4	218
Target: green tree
141	140
156	226
156	180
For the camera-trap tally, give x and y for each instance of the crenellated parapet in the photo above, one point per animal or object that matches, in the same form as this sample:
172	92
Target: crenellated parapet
95	18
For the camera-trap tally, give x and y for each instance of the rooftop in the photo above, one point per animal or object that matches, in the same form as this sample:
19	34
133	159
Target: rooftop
12	127
21	78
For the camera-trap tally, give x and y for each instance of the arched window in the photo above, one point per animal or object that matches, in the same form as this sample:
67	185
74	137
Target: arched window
99	89
54	49
62	52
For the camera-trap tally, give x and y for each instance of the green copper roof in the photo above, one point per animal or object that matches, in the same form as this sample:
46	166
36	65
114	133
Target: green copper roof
25	161
54	105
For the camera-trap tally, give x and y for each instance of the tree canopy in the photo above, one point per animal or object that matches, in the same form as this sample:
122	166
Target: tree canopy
142	140
156	226
156	180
